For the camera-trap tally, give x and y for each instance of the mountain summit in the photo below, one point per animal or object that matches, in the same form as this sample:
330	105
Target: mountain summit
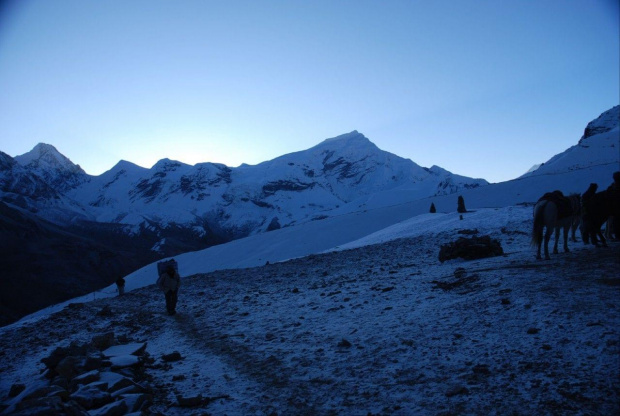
51	165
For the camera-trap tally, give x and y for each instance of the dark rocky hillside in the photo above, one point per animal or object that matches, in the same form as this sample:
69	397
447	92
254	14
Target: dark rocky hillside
43	263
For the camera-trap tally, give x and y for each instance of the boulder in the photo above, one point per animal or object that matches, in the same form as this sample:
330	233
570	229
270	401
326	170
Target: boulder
123	361
136	402
87	378
471	248
127	349
102	342
189	401
91	397
41	406
115	381
106	312
16	389
69	367
62	352
118	408
173	356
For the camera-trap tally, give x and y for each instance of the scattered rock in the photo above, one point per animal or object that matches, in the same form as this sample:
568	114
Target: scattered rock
68	367
87	378
78	382
62	352
60	381
344	344
464	284
39	406
106	311
189	401
93	362
174	356
47	391
468	232
458	390
123	361
128	349
102	342
16	389
460	272
91	397
118	408
533	331
481	369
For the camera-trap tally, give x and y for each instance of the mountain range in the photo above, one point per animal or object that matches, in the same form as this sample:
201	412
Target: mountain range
213	199
85	231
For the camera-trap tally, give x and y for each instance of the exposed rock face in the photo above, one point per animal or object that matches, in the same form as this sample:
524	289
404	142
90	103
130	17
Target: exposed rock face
70	261
607	121
19	184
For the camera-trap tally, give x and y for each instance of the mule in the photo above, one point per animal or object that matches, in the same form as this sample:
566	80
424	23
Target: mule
596	210
554	211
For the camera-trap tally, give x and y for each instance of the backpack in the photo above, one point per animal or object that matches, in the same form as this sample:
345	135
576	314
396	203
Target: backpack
162	266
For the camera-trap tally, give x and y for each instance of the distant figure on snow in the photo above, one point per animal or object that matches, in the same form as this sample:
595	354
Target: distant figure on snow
120	285
461	205
169	282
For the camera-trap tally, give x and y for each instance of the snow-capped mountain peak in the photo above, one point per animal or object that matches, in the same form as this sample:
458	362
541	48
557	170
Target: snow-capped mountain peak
353	143
46	156
347	138
47	162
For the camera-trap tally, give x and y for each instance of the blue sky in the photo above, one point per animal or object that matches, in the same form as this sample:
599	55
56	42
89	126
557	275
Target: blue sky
481	88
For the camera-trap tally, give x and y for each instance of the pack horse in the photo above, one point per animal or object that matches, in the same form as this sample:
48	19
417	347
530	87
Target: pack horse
554	211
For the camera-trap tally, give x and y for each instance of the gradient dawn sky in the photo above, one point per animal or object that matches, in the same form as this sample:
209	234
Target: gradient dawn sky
481	88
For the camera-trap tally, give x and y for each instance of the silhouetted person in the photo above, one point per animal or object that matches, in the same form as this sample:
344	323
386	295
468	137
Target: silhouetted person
613	223
169	283
120	285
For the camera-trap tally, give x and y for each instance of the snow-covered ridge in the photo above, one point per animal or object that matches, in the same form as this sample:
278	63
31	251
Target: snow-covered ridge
607	121
599	146
239	201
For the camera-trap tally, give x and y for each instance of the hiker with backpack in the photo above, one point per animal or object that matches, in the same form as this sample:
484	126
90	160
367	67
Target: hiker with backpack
120	285
169	282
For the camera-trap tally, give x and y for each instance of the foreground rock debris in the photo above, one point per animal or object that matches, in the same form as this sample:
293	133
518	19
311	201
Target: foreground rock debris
83	379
